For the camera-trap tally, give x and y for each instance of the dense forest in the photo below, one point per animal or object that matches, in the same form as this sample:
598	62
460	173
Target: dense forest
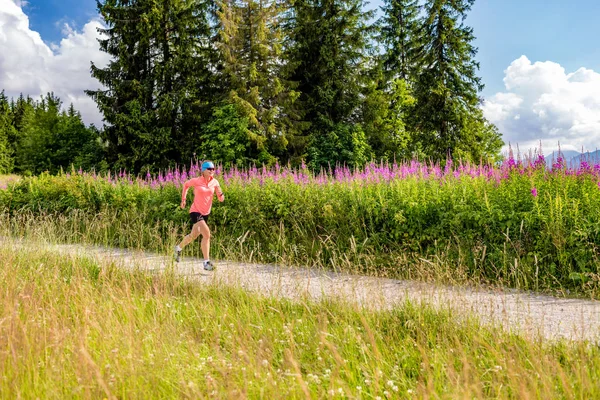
247	82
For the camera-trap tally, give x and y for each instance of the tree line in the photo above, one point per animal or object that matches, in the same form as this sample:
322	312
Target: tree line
262	81
39	135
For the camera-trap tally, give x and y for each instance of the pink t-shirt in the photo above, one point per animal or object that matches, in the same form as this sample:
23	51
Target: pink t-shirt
203	194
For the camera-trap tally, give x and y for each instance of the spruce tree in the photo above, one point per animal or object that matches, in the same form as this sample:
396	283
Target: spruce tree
329	42
7	131
159	85
38	126
447	86
23	120
384	114
74	144
48	138
388	99
251	46
399	36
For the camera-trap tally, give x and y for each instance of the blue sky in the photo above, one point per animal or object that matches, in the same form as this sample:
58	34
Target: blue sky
546	51
565	32
49	16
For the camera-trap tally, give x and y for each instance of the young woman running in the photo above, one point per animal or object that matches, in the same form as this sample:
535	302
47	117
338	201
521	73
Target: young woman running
205	188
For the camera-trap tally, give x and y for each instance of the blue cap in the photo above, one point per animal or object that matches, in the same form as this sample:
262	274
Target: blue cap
206	165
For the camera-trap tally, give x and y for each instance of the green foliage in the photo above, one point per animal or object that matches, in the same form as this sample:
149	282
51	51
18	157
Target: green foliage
251	43
6	160
447	114
225	138
7	132
327	53
160	83
48	139
74	144
312	81
343	144
399	34
384	113
494	231
481	141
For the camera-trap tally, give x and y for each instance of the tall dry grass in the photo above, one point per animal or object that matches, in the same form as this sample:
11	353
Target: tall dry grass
73	328
6	179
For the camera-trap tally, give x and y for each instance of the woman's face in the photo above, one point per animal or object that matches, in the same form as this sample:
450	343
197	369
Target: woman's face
208	172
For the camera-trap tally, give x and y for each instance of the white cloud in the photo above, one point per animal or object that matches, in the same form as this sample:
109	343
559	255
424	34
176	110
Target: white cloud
543	103
30	66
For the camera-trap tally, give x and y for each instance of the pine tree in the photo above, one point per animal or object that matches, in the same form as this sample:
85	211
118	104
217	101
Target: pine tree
37	126
329	42
388	99
447	87
7	131
251	47
398	33
159	85
48	138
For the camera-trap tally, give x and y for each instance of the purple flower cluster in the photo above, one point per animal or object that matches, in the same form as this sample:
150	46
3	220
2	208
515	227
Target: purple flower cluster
372	173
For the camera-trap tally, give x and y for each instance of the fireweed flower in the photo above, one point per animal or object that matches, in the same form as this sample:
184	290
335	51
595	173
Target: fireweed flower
559	164
371	174
540	161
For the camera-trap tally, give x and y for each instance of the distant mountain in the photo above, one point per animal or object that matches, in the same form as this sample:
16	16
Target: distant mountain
574	158
592	157
568	155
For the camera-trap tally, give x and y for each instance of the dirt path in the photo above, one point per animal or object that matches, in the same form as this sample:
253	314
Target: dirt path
527	313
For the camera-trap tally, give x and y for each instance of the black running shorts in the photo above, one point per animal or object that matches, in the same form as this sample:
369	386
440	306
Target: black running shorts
197	217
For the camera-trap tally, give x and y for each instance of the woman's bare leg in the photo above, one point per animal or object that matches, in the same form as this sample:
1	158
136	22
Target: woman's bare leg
192	235
199	228
205	244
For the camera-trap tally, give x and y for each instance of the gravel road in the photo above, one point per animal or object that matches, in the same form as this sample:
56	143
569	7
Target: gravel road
530	314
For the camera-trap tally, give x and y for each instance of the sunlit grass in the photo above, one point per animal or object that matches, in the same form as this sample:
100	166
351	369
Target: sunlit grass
5	179
126	230
71	328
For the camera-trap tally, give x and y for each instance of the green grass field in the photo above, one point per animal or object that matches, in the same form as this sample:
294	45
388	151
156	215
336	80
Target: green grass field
71	328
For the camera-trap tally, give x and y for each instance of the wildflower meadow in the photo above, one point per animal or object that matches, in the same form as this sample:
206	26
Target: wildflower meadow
80	328
527	223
